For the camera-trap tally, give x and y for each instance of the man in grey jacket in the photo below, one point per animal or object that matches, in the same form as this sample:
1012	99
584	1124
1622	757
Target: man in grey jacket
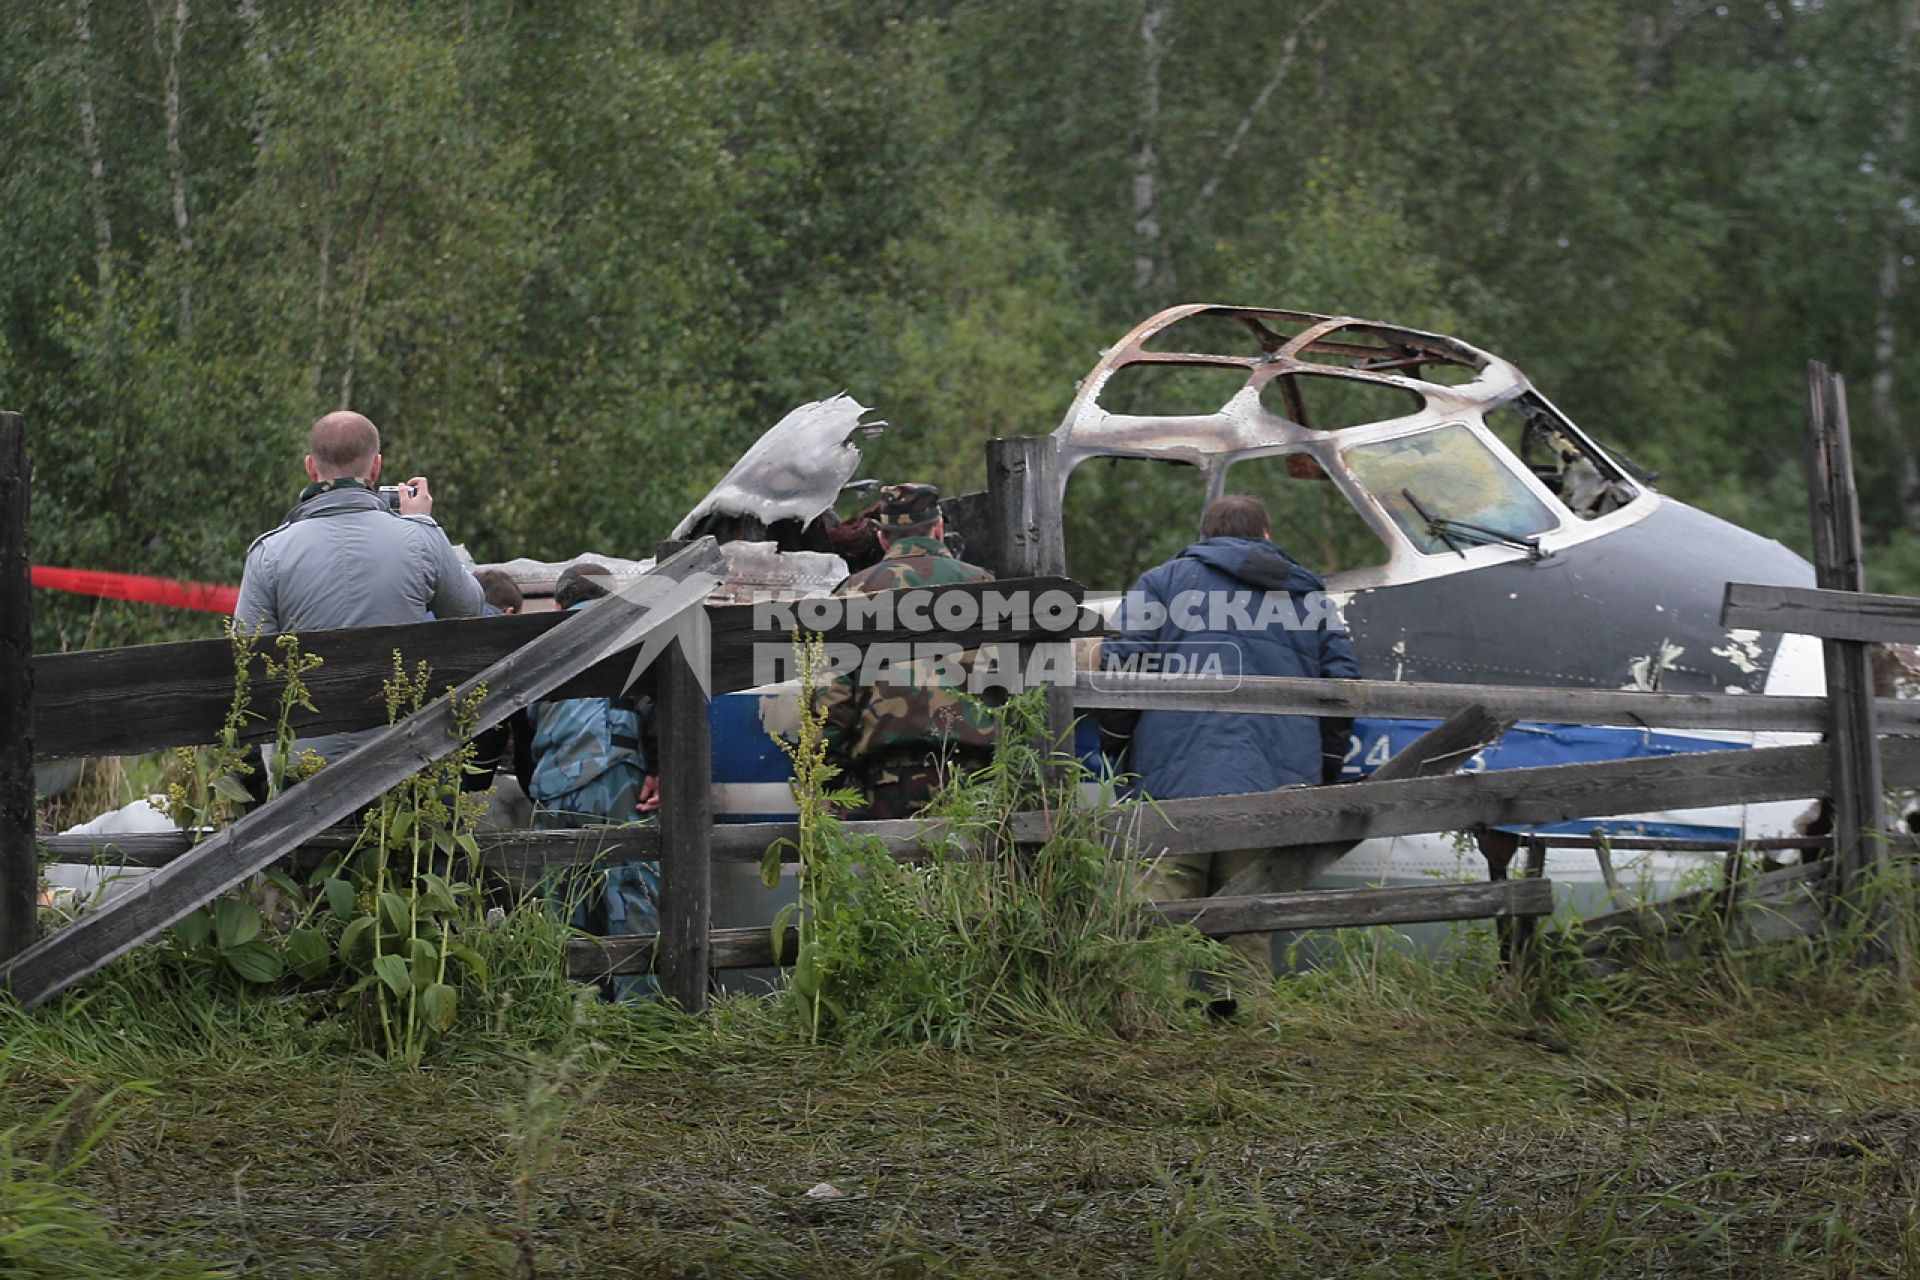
344	559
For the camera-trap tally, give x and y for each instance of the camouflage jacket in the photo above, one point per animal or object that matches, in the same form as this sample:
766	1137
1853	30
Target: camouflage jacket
906	716
577	740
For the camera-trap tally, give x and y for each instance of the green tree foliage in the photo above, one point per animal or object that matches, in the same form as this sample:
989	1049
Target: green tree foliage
574	258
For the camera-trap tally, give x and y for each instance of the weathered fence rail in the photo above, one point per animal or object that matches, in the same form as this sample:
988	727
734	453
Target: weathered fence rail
1391	700
146	697
1217	917
1307	815
1830	614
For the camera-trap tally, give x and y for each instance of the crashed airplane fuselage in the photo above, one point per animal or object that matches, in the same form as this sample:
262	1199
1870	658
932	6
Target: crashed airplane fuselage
1513	549
1552	566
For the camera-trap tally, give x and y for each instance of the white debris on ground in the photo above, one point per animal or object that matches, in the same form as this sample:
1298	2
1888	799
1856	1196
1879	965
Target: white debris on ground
74	885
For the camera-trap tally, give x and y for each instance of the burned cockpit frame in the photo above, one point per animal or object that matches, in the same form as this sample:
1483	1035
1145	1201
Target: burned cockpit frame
1480	467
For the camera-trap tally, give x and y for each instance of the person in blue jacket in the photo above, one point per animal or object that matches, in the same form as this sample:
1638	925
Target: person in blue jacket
1232	604
591	766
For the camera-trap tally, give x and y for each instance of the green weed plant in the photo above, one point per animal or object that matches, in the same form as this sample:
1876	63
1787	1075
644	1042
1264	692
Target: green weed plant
983	937
389	924
391	914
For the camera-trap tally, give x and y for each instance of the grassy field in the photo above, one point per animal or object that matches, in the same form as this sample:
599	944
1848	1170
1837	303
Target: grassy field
1382	1118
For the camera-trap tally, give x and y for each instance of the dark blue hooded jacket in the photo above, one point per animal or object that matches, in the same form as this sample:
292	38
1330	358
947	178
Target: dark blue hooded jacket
1209	600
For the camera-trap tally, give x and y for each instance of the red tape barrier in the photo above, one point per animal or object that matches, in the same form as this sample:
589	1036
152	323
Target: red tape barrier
208	597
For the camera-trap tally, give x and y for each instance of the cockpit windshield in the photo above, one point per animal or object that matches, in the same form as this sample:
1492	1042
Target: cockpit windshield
1446	490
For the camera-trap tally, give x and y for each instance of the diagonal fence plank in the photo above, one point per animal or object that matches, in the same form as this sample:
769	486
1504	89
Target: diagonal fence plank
1440	750
617	622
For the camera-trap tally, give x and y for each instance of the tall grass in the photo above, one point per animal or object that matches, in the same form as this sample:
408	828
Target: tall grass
986	939
47	1230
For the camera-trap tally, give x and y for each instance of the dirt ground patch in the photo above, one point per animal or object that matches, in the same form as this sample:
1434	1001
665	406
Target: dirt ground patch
1780	1139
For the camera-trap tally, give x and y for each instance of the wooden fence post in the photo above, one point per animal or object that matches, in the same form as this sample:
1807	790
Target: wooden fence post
19	865
1859	800
686	832
1023	504
1028	540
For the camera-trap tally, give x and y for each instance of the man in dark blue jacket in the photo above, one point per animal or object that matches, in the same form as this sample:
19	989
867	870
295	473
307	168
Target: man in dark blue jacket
1232	604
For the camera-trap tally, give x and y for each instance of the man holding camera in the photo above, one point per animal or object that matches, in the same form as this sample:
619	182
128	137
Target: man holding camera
351	554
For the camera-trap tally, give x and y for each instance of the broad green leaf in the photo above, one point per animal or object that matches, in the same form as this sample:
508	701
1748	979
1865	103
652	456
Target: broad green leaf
770	864
230	787
393	972
438	893
778	935
193	928
470	844
307	953
394	908
339	897
356	943
423	963
806	971
256	961
402	823
235	922
475	962
438	1003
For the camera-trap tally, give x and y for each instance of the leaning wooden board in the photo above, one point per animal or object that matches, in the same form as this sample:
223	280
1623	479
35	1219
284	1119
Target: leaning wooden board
63	958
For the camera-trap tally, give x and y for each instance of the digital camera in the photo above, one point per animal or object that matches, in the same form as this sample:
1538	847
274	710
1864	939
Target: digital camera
391	493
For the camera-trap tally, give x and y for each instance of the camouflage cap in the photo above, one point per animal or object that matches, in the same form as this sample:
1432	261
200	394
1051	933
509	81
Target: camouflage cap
905	506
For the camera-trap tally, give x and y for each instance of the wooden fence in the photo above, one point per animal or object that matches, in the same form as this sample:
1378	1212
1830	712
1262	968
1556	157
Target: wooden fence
145	697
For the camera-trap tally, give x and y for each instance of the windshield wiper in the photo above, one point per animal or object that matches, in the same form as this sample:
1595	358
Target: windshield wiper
1449	530
1434	525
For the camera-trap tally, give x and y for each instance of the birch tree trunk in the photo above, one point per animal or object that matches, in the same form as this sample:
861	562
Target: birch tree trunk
90	147
176	160
258	47
1282	67
1150	255
1886	324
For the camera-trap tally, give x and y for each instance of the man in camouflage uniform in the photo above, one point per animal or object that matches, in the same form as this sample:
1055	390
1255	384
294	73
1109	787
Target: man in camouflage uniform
900	736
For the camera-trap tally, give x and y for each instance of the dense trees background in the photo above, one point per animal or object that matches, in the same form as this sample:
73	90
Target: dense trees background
574	256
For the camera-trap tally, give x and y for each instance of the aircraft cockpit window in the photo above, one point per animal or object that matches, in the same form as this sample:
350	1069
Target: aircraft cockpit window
1328	402
1245	336
1448	491
1171	390
1122	516
1312	520
1563	459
